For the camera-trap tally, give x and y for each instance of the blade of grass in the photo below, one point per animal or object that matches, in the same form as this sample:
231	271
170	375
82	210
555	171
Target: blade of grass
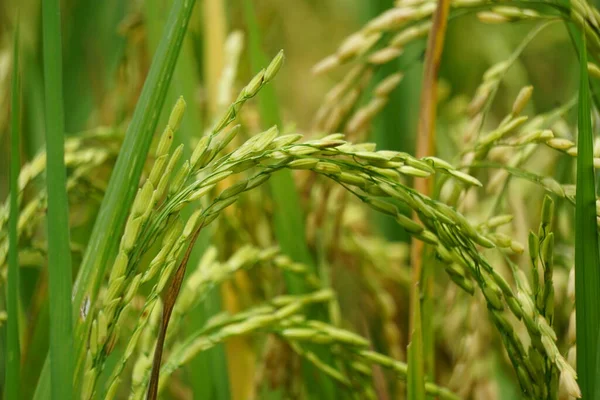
597	371
587	261
36	351
35	339
13	346
77	34
93	48
287	214
33	104
209	371
416	373
59	252
421	334
125	177
587	267
185	78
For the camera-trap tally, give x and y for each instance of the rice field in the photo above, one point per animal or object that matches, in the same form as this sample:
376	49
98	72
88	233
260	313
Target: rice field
263	199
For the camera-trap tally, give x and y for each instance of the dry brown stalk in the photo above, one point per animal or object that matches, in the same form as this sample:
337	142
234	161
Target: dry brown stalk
426	131
169	303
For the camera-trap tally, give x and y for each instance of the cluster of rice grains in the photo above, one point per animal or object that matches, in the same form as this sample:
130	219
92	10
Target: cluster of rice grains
156	213
522	312
469	225
374	177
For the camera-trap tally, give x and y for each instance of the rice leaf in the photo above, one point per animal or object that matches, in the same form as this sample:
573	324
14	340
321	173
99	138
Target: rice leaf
91	38
587	268
185	78
125	176
416	370
33	105
59	252
13	347
597	372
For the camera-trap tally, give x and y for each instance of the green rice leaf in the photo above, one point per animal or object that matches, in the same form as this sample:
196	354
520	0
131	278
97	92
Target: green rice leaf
416	362
59	252
185	82
587	271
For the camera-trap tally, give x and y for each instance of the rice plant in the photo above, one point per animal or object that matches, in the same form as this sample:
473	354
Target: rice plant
207	203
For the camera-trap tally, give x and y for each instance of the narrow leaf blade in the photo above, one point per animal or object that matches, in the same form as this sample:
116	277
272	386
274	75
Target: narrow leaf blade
59	252
587	271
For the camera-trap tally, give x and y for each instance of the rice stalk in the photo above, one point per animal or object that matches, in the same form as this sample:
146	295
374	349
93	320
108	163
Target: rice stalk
59	253
420	352
587	273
